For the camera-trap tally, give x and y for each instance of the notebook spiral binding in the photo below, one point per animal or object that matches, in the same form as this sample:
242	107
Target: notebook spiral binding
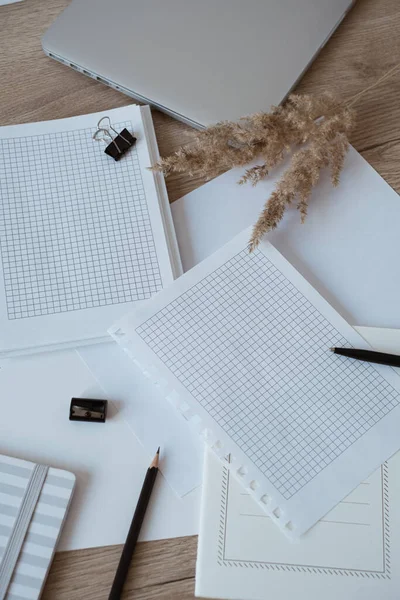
245	473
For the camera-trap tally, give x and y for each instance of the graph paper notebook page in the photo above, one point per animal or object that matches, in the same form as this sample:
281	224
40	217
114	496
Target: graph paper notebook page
351	553
34	501
82	236
242	342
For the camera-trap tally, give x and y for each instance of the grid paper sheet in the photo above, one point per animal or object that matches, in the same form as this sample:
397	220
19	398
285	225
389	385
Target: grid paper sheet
78	230
59	251
266	311
245	343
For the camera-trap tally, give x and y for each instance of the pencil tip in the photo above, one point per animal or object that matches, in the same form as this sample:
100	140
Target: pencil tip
154	462
332	349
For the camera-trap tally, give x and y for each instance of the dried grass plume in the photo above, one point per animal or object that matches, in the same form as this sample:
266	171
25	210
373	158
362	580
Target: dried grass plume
314	129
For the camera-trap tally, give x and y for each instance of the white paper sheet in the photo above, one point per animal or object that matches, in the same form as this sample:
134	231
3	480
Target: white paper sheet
352	553
347	249
109	461
240	328
382	339
151	418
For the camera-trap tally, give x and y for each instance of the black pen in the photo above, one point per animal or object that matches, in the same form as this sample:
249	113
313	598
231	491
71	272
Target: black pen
128	549
379	358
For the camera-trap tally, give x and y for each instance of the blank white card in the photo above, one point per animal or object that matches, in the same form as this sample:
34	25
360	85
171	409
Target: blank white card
241	344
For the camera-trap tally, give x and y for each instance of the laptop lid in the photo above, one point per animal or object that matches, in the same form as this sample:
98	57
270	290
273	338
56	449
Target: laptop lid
201	60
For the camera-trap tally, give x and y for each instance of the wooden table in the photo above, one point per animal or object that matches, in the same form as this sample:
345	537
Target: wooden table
33	88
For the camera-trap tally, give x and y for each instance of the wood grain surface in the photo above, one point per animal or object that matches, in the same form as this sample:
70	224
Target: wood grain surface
33	88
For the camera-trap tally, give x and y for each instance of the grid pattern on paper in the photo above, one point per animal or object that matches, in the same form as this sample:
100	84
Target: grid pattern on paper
254	352
75	231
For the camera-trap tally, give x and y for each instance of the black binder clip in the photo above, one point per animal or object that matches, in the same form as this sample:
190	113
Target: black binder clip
87	409
119	145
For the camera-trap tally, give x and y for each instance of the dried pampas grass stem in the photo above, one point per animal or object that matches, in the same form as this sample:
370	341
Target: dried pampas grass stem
313	129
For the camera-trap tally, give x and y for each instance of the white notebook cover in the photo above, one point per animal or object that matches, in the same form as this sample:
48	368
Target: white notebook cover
83	237
241	345
27	549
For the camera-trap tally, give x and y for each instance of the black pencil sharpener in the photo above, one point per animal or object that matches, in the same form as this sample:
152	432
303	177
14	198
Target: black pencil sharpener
88	409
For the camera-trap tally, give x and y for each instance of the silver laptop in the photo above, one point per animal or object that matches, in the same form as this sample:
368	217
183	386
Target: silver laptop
201	61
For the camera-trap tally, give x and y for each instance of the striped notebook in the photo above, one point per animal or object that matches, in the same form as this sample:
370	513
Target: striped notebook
34	501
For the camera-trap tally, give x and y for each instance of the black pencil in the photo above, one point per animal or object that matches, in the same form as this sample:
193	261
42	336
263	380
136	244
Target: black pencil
134	530
380	358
